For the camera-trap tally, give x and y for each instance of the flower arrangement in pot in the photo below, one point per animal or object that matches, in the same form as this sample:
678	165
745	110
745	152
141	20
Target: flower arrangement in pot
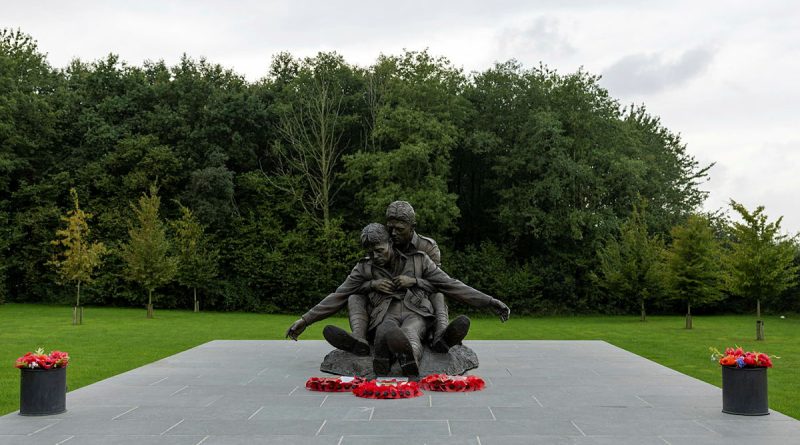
744	381
43	383
40	360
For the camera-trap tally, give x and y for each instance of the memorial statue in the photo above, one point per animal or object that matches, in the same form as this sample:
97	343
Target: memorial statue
399	288
401	222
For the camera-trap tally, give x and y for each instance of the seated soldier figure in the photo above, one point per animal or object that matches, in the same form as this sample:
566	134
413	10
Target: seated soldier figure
401	309
401	220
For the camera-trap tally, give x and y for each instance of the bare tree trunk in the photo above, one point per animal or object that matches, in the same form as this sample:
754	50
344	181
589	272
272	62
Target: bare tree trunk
313	134
644	315
149	303
689	315
759	322
196	305
77	311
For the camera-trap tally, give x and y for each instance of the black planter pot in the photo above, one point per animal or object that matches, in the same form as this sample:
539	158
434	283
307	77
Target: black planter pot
744	391
42	392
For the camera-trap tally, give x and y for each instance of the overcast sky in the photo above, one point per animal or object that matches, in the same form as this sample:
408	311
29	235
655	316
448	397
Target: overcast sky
722	74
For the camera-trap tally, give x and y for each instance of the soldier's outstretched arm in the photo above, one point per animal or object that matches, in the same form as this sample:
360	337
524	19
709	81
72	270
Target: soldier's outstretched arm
459	291
331	304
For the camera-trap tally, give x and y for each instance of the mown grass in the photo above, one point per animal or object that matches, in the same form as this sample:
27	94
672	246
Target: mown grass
112	341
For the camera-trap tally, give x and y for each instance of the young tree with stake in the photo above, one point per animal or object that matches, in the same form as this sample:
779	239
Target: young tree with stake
197	263
146	255
79	258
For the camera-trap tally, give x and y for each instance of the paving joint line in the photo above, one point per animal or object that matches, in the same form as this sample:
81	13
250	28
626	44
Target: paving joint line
449	431
340	441
254	414
44	428
249	381
213	401
158	381
323	401
292	391
126	412
478	438
665	440
371	413
65	440
709	429
321	427
577	428
179	390
173	426
537	401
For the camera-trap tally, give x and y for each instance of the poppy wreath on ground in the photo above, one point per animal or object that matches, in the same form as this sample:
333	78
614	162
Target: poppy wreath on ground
333	384
452	383
387	389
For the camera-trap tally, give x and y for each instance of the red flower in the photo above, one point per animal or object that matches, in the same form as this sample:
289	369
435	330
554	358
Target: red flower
333	384
447	383
40	360
764	360
749	359
387	389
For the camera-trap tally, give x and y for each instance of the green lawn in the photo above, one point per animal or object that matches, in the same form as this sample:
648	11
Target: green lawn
112	341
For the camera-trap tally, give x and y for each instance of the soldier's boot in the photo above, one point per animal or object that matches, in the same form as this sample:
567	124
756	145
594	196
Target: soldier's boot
441	317
452	335
354	342
402	347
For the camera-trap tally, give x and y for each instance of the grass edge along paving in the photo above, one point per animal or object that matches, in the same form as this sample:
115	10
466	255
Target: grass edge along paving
114	340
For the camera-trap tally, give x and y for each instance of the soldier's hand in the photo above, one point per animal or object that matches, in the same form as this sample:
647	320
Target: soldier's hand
296	329
404	281
501	310
383	285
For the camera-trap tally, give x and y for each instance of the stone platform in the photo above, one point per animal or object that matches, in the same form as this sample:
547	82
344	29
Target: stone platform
538	392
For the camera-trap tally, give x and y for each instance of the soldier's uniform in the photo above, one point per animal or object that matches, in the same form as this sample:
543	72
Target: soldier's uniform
410	309
427	245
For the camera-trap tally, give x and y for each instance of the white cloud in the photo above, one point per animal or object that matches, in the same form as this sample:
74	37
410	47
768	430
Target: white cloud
652	73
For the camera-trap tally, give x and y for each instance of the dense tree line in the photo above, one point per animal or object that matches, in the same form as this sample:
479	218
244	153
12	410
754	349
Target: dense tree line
523	175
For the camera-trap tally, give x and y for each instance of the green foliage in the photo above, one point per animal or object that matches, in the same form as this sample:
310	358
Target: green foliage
416	111
5	255
631	267
760	262
550	167
544	166
79	257
147	254
487	268
197	261
694	262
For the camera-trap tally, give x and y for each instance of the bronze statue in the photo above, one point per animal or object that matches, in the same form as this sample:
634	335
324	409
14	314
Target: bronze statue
399	287
401	223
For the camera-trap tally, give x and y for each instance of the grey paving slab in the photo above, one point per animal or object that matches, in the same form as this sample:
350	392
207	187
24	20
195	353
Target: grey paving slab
538	392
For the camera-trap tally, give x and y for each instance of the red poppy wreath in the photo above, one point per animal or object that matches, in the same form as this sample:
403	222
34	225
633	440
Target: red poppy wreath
333	384
387	389
452	383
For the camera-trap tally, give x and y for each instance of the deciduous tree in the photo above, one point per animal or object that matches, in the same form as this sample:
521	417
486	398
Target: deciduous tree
79	257
760	264
631	266
147	253
197	261
694	264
